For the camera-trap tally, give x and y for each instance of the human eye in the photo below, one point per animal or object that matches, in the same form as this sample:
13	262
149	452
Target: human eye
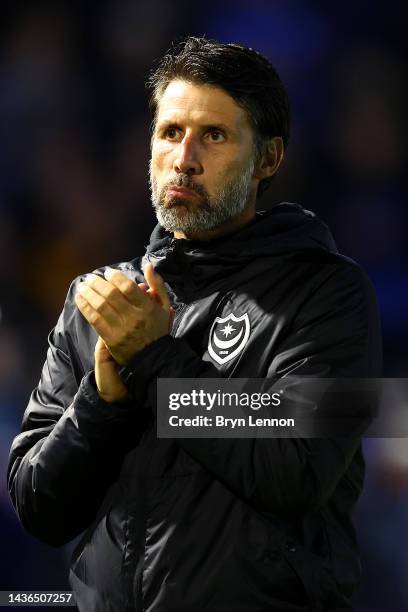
215	135
171	133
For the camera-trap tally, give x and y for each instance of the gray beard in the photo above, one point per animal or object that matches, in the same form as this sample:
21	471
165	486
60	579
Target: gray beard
213	212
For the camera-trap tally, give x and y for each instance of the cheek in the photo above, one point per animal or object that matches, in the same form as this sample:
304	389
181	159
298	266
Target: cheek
225	165
156	164
161	162
162	153
222	174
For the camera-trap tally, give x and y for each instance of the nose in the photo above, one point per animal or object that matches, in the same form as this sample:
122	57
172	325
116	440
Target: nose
187	160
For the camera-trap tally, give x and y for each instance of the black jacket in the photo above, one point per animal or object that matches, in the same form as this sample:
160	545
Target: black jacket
206	524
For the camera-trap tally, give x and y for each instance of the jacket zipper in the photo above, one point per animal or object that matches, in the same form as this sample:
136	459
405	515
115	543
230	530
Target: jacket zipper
178	318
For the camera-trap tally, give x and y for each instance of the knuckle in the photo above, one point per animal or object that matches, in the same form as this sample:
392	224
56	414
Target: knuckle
100	305
128	287
112	292
93	317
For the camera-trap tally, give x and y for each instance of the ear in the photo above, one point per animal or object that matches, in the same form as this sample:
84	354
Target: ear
271	159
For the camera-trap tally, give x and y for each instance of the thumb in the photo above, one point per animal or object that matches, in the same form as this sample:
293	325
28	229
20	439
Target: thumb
156	283
100	345
102	353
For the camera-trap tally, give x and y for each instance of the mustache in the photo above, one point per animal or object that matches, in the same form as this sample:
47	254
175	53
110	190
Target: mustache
185	180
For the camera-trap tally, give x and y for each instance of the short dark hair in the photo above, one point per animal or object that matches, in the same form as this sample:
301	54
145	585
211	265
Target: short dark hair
245	74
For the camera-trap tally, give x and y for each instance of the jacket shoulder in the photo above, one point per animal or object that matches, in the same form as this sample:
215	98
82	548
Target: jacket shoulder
333	267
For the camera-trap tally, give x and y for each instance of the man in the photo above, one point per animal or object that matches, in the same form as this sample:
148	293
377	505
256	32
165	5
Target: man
202	524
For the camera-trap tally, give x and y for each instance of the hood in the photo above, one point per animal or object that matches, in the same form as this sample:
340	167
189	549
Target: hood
286	228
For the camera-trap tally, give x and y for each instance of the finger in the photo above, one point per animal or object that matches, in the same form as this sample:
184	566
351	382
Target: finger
93	317
101	352
108	291
100	345
154	296
150	292
126	286
156	283
99	303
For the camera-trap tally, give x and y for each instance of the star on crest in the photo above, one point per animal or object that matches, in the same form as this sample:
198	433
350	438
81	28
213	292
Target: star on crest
227	330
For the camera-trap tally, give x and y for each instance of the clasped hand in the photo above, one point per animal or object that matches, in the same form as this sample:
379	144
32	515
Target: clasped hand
127	317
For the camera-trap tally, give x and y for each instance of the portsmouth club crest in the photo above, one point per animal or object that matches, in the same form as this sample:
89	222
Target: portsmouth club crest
228	336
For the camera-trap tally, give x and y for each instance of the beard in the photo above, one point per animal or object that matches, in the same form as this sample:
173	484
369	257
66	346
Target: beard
178	215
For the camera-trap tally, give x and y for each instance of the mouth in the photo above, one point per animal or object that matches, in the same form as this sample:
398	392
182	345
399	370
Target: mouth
180	192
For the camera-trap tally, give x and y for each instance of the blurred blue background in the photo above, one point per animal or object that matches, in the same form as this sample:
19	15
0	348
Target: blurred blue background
73	195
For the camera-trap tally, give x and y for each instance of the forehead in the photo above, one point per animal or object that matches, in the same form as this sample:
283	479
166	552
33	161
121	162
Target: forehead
182	100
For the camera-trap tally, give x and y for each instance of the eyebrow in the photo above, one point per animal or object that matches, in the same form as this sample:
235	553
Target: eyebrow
167	123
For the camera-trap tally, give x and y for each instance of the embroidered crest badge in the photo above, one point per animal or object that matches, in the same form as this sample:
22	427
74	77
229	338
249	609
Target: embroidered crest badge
228	336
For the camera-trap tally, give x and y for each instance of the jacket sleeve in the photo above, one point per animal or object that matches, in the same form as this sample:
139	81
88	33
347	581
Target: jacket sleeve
72	442
336	334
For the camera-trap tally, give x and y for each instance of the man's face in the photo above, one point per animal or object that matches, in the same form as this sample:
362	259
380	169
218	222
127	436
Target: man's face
203	154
